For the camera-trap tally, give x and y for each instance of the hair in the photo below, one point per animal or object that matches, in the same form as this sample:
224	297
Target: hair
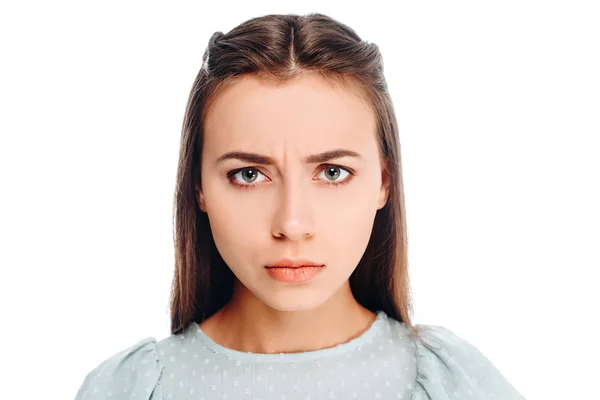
277	48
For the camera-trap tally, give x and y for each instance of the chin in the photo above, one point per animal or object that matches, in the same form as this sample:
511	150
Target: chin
298	299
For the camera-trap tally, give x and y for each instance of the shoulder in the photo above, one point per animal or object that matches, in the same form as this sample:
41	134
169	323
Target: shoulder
132	372
449	365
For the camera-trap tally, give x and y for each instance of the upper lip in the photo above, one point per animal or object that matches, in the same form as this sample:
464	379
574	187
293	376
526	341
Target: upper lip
293	263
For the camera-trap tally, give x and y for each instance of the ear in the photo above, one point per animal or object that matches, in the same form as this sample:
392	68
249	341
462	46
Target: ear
200	198
385	189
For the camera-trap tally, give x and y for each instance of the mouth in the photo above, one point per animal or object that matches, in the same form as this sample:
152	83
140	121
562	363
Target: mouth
293	263
299	273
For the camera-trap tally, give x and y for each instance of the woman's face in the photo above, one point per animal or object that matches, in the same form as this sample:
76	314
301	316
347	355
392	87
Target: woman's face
288	205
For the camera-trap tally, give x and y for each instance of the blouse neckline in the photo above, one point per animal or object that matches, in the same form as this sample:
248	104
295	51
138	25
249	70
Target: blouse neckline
338	349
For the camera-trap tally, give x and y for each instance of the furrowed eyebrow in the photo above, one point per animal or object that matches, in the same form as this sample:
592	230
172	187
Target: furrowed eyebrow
265	160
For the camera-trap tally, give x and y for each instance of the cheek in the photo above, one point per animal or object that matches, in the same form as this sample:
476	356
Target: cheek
349	226
346	229
233	243
355	208
230	211
234	226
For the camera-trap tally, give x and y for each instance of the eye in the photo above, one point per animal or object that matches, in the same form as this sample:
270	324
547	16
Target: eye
247	175
331	173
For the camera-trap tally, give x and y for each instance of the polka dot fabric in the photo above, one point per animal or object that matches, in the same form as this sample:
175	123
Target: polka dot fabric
449	367
385	362
130	374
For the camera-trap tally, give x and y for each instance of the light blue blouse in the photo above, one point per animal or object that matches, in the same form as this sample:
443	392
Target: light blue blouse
384	362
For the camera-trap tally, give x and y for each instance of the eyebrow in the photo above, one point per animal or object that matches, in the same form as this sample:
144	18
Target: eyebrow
266	160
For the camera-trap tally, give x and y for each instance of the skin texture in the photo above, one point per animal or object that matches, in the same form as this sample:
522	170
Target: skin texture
290	209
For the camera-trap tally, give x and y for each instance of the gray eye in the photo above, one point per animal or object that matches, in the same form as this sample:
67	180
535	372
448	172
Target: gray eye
249	175
332	172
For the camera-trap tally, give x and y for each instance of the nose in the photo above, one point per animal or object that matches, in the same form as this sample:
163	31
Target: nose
293	216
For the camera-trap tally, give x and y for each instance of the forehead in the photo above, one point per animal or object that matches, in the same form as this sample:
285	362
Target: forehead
307	110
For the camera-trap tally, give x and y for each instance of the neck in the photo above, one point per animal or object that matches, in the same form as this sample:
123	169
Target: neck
247	324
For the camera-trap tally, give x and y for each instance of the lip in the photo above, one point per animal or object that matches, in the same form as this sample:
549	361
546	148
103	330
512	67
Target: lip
293	263
294	274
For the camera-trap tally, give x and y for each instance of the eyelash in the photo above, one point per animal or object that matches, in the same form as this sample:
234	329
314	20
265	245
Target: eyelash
232	181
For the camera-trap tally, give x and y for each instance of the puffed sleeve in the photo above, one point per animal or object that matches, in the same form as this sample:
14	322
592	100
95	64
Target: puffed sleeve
131	373
449	367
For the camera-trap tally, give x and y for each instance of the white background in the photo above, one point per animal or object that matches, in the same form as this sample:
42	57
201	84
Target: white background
498	106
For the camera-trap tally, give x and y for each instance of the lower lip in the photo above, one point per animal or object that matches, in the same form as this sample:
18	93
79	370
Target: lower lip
288	274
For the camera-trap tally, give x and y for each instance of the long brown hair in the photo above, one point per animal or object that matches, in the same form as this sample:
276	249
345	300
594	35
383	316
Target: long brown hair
277	48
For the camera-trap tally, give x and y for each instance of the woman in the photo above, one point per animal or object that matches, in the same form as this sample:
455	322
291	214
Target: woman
291	255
